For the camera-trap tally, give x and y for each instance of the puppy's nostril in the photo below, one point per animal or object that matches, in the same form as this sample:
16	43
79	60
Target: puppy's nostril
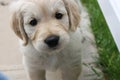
52	41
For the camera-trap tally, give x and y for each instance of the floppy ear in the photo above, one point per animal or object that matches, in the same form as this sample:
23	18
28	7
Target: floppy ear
73	13
16	22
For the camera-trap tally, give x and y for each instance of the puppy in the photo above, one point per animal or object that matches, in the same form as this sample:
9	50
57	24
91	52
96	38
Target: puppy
53	35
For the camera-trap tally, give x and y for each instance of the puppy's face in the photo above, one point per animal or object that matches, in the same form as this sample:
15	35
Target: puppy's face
46	23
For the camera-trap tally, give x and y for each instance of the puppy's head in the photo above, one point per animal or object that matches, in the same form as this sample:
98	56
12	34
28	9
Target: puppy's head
45	23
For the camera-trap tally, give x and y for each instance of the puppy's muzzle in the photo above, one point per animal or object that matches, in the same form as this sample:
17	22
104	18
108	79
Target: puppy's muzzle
52	41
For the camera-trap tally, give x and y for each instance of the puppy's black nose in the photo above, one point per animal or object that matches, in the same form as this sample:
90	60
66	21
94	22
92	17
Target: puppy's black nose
52	41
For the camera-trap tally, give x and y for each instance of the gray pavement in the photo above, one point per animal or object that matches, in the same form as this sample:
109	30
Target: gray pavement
10	56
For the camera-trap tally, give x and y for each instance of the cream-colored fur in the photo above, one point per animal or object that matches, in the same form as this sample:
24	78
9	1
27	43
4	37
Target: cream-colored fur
76	45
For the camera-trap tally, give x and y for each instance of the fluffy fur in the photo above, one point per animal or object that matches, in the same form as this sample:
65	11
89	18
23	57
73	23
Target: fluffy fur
76	39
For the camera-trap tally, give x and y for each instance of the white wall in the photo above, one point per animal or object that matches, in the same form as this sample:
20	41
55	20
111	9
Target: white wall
111	11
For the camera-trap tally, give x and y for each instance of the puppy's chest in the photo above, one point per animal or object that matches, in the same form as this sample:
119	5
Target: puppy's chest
52	62
58	61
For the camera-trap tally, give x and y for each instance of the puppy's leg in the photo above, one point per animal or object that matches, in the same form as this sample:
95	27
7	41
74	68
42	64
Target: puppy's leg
71	73
36	74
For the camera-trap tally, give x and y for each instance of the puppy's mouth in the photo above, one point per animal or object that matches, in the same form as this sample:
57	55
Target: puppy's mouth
55	43
52	44
54	48
57	47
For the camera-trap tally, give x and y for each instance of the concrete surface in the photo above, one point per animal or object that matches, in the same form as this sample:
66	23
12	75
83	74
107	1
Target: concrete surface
10	56
9	50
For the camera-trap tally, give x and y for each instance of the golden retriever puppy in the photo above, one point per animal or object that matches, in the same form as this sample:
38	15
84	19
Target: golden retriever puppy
54	37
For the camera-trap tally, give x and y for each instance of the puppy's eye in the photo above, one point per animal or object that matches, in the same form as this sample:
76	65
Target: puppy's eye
33	22
58	15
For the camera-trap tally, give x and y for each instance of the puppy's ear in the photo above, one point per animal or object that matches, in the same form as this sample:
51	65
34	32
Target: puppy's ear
73	13
16	22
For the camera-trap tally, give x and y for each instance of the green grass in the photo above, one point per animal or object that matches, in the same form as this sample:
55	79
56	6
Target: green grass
109	56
